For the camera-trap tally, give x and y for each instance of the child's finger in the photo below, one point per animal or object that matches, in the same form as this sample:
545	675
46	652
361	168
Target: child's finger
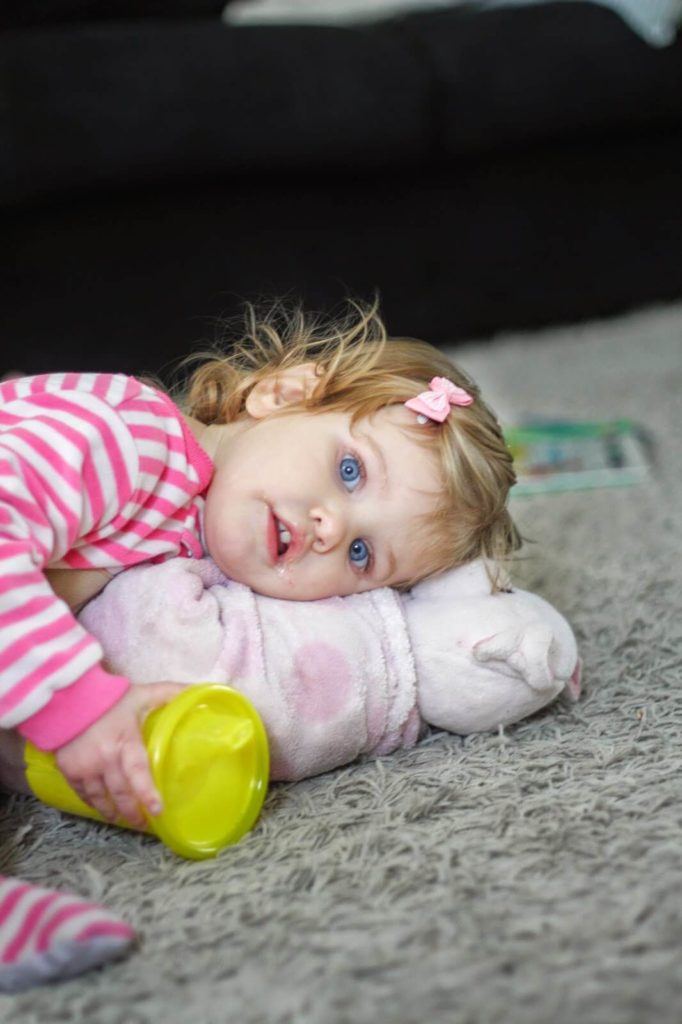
123	797
94	792
135	764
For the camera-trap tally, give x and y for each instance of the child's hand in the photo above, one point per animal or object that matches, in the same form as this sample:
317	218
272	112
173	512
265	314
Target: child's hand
108	766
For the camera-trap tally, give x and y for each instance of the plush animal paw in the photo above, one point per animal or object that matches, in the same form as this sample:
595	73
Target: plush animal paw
531	651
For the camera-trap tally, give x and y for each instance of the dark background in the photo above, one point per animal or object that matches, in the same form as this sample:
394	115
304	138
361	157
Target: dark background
482	170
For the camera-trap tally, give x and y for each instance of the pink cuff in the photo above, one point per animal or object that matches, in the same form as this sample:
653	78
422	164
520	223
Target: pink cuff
73	709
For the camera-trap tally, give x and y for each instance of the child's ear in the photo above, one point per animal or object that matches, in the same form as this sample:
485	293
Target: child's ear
280	389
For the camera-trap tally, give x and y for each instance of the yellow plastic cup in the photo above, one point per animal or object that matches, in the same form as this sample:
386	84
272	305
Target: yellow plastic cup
209	758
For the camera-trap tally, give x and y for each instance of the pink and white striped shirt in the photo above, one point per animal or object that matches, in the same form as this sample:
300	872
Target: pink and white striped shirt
96	471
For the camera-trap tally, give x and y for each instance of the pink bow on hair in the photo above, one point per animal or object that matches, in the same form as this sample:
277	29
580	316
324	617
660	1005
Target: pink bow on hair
435	403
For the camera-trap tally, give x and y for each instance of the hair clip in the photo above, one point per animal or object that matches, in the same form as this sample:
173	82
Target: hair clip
435	403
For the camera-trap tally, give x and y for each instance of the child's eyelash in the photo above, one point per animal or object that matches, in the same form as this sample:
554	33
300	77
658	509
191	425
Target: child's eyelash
370	562
361	465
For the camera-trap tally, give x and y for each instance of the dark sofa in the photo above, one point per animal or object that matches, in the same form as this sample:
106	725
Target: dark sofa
483	170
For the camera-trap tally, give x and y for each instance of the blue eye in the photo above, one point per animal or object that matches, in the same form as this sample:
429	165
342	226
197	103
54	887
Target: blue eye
359	554
350	471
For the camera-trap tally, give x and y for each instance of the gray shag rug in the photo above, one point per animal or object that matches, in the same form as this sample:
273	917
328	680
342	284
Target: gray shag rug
529	876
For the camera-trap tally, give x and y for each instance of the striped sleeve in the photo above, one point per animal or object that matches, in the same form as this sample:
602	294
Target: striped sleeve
51	490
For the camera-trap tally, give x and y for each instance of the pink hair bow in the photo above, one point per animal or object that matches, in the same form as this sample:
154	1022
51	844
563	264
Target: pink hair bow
435	403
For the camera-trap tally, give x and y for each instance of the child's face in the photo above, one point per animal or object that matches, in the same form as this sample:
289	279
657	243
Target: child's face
301	508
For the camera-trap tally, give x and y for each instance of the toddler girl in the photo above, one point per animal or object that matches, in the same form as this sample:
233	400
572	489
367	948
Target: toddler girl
313	459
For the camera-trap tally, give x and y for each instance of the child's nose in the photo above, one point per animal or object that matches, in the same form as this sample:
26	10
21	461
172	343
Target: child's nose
328	527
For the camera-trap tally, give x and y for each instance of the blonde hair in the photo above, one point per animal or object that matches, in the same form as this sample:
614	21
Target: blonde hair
362	370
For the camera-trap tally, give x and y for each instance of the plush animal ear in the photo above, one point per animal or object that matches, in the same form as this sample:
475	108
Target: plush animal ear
529	650
280	389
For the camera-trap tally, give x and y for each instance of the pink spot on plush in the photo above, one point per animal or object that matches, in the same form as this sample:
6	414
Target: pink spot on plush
321	684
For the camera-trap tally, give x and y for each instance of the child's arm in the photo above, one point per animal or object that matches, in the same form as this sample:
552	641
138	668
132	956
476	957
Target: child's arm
53	686
107	765
93	724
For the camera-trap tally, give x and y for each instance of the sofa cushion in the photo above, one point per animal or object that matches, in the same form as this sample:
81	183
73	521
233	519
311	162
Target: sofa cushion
25	13
515	76
120	103
115	104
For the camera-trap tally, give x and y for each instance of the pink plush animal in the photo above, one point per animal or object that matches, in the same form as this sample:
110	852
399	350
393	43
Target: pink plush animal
347	677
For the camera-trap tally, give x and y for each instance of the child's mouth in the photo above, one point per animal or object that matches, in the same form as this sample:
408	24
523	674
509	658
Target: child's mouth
283	538
285	541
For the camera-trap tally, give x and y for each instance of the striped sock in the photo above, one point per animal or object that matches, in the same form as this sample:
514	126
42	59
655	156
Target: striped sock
47	935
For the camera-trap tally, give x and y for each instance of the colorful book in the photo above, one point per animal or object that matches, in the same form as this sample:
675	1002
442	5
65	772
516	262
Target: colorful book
571	455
